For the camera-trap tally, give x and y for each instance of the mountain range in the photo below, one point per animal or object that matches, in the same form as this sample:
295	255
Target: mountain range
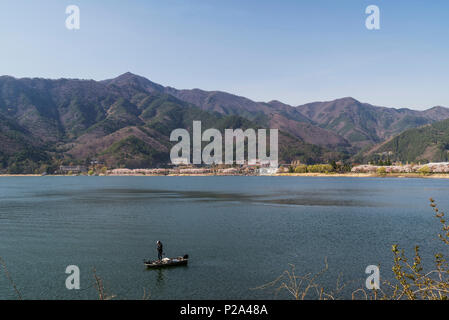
126	122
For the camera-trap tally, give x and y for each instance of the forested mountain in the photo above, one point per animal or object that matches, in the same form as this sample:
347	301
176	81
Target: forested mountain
363	124
429	143
123	122
126	122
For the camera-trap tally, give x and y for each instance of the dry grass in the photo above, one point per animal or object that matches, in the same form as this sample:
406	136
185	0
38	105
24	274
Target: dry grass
304	287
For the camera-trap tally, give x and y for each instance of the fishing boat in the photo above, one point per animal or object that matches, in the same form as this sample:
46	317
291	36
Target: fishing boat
167	262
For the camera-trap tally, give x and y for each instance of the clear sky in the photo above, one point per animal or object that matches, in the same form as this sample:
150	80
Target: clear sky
294	51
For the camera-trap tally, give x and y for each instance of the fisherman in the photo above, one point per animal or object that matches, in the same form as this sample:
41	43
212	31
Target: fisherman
159	250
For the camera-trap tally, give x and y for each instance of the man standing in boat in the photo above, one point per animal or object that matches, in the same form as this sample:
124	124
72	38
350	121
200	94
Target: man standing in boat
159	250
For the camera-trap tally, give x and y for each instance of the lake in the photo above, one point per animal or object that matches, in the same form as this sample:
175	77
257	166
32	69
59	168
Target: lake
240	232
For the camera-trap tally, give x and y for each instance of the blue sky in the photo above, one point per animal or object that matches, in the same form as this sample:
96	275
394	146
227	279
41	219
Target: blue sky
289	50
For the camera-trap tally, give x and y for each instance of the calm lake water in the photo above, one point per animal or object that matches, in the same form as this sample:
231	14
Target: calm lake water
240	232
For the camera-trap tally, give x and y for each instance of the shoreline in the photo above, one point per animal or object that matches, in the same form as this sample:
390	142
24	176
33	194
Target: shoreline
367	175
327	175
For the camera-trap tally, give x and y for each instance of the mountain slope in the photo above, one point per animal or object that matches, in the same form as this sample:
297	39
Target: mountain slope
343	124
363	124
429	143
125	121
274	114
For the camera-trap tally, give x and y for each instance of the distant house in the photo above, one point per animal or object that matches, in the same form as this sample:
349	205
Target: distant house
72	169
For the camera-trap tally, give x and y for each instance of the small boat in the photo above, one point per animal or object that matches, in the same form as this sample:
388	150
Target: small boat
167	262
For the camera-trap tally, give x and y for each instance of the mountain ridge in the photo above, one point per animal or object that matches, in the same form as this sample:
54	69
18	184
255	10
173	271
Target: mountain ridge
292	119
45	123
63	120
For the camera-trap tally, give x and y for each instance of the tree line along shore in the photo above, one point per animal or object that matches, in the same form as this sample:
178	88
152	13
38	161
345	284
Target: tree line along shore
333	169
